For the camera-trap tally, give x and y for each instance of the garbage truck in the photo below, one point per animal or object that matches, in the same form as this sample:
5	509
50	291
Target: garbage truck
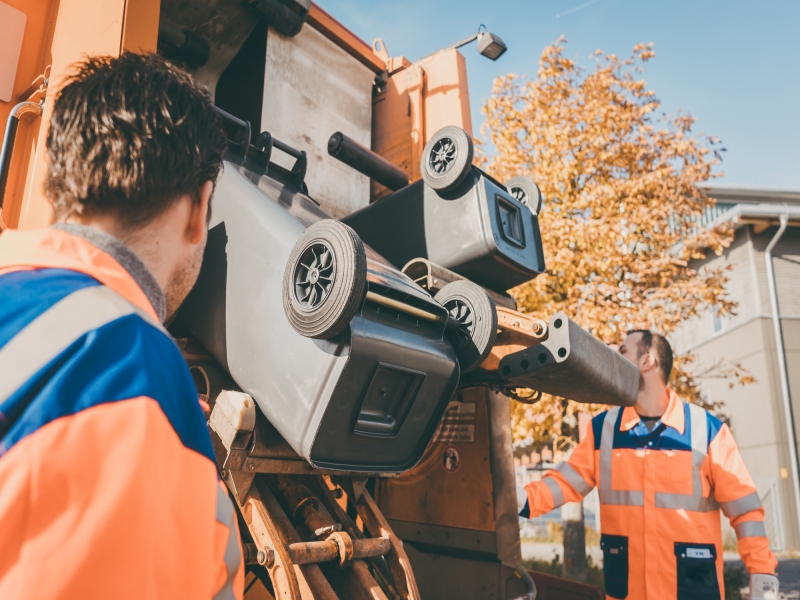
351	327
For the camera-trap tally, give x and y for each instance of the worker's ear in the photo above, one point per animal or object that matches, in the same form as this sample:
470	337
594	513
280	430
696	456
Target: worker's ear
198	217
647	362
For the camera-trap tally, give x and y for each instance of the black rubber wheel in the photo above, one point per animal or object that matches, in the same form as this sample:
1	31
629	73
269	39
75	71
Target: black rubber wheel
526	191
447	159
470	305
325	279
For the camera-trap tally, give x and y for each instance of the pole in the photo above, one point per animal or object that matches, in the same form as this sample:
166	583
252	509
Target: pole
788	414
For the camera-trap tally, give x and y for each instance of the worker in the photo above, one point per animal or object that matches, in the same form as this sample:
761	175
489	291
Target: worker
663	470
108	484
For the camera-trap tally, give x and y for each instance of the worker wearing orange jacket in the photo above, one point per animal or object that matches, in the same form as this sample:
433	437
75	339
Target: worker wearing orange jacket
663	470
108	485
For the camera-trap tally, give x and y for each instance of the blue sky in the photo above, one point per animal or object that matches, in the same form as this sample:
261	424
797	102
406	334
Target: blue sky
734	65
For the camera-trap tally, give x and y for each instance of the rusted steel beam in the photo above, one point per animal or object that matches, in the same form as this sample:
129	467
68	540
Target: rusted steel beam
371	547
304	506
260	523
312	582
378	526
396	589
356	583
304	553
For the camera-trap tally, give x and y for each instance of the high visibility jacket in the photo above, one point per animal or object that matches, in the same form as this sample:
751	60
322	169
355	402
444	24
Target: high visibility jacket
660	495
108	485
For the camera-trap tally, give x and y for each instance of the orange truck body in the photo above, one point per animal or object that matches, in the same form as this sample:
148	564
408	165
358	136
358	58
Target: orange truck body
416	101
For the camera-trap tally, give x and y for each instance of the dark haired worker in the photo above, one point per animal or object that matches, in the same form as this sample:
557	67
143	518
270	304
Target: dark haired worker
108	485
663	470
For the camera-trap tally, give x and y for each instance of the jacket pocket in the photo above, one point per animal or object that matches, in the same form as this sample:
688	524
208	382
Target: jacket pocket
615	564
697	571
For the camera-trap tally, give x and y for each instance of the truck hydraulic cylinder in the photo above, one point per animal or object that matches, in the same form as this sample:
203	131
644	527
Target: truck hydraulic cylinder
366	161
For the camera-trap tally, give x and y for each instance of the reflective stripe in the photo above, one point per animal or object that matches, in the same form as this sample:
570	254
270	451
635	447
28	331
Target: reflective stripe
54	330
607	447
745	504
225	510
233	556
555	489
695	501
621	497
751	529
608	495
685	502
573	478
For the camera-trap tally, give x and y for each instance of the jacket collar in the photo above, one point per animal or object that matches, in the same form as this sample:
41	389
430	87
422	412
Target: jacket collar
672	417
94	253
126	258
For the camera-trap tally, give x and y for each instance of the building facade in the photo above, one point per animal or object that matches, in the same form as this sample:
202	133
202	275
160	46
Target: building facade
756	412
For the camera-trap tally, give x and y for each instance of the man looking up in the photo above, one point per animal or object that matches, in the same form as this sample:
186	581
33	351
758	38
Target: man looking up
663	470
108	485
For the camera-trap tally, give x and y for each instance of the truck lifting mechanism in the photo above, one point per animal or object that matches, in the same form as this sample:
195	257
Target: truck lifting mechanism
351	328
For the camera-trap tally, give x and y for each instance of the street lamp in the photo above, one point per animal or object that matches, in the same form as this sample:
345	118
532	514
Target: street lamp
489	44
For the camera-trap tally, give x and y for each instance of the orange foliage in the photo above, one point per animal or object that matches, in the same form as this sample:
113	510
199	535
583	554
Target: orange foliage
621	212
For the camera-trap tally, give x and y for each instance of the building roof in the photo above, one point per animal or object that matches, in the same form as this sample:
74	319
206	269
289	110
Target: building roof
761	207
730	194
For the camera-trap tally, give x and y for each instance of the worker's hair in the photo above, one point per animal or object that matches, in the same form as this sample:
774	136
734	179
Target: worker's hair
128	136
661	348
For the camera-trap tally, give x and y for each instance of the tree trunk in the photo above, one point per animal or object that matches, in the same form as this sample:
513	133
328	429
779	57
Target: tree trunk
575	565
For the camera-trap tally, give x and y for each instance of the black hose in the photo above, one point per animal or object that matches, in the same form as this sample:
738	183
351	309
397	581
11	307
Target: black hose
10	138
5	154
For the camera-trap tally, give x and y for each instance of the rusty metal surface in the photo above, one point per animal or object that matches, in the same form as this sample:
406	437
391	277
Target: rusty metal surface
397	588
371	547
303	553
258	511
504	484
357	581
313	88
378	526
311	581
460	497
303	504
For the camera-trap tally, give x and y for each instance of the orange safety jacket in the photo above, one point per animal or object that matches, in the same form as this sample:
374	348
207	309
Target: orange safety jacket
660	495
108	485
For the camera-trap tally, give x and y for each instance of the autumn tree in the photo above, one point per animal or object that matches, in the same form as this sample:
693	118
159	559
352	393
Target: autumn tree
621	219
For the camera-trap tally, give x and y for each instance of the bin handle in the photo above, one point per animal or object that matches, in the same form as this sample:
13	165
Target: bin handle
19	111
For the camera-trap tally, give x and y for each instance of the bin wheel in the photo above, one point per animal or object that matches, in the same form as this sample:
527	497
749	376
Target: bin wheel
447	159
325	279
526	191
471	307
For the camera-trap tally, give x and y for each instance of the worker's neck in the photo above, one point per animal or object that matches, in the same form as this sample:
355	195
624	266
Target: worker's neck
150	244
653	399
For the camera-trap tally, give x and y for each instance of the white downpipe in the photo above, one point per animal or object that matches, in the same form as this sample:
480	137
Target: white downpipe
781	357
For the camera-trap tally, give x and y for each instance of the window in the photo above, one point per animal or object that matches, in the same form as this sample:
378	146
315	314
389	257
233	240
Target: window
717	318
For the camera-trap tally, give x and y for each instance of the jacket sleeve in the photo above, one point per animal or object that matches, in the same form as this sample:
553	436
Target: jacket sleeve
569	481
736	494
116	507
